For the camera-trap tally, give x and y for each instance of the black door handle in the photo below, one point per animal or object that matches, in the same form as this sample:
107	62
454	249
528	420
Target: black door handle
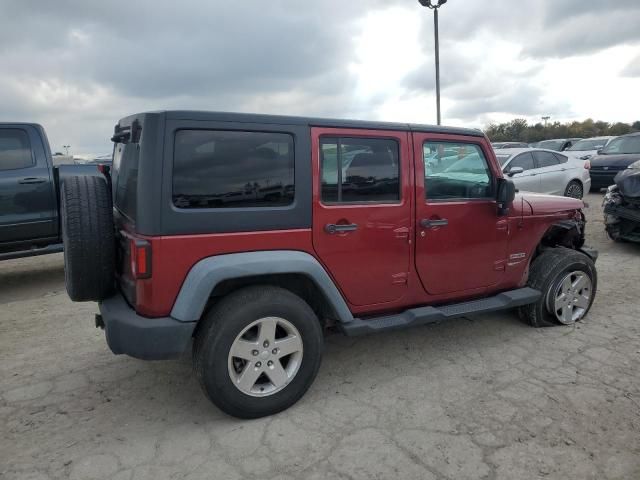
426	223
31	180
332	228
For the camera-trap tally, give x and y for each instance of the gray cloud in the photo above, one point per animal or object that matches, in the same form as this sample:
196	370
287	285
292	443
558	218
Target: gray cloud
77	66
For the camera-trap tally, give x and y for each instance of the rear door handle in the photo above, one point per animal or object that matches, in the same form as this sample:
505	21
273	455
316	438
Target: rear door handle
426	223
332	228
30	180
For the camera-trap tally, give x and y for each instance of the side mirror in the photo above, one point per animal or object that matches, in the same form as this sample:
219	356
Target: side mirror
514	171
506	195
599	152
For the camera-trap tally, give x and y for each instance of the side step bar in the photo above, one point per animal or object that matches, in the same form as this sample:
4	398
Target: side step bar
426	315
32	252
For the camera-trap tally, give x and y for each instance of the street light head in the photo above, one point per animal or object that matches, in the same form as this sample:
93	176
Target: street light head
432	3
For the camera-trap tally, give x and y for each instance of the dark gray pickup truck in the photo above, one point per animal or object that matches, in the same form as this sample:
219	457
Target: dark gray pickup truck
29	191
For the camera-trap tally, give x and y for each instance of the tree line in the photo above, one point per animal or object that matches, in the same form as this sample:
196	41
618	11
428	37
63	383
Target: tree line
519	130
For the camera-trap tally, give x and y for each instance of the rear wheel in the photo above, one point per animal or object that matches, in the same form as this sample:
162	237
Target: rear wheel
258	351
568	282
574	190
88	237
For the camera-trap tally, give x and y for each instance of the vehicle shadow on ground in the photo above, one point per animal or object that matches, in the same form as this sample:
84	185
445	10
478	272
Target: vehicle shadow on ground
135	388
19	283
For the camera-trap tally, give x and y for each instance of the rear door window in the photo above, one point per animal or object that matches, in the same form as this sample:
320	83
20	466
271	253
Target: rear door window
545	159
357	170
232	169
561	158
15	150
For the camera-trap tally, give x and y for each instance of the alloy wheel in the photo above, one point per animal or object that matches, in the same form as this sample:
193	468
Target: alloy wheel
265	357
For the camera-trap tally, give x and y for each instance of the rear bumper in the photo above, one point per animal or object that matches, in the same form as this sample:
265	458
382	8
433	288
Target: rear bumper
140	337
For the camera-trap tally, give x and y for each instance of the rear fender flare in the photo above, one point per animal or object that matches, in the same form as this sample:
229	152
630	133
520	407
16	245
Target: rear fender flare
209	272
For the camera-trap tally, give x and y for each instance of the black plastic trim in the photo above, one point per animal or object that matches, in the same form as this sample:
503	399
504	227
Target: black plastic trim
426	315
140	337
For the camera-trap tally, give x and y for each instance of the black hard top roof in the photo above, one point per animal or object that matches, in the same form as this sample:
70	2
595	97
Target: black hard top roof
313	122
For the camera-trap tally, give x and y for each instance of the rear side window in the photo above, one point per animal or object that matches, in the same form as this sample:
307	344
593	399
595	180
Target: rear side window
545	159
561	158
455	170
15	150
227	169
357	170
125	177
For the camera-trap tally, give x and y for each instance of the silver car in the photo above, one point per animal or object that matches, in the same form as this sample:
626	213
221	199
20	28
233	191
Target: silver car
546	171
588	147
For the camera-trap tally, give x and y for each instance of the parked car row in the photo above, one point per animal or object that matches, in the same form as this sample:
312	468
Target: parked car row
546	171
584	165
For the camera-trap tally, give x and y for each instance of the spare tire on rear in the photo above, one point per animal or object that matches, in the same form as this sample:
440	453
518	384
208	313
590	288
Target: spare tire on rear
88	237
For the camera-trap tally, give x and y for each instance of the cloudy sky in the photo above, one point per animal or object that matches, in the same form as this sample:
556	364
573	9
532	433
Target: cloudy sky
77	66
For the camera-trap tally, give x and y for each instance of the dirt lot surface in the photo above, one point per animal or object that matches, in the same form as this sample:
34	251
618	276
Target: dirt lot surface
473	398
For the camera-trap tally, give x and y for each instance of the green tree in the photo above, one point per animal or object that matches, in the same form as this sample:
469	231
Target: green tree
620	128
518	130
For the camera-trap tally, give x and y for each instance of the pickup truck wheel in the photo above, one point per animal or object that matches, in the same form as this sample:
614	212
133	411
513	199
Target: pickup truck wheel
88	238
257	351
568	282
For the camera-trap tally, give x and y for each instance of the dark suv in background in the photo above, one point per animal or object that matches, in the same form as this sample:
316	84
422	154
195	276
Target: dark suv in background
618	155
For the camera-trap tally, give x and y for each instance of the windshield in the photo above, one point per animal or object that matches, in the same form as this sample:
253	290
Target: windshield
584	145
550	144
623	145
503	159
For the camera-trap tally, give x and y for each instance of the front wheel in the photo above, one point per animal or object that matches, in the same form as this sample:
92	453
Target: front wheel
568	282
258	351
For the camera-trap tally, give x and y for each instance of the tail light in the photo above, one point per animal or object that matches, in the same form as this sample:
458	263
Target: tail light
587	164
140	258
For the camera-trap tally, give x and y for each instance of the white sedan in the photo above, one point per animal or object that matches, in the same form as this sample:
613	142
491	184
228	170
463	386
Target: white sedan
546	171
588	147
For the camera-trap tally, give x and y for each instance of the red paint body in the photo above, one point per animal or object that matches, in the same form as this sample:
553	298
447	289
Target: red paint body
390	263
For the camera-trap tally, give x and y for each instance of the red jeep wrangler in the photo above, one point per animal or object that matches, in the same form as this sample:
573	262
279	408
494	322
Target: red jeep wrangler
251	233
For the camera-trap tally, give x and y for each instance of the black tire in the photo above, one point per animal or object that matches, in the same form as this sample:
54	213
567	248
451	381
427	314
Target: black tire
546	273
574	190
220	328
88	238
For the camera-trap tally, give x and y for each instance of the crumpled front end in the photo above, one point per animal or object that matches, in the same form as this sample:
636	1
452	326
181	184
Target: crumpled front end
622	213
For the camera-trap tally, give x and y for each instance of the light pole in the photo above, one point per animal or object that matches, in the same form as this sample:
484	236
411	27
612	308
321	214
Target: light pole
545	121
435	5
66	149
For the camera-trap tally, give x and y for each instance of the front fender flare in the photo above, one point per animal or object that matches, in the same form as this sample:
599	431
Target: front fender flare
209	272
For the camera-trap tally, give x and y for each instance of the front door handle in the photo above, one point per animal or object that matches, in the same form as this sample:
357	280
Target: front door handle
332	228
427	223
31	180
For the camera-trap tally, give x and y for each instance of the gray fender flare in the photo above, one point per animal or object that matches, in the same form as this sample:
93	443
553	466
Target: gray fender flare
209	272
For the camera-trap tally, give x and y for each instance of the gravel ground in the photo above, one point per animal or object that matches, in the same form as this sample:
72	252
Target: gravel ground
472	398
